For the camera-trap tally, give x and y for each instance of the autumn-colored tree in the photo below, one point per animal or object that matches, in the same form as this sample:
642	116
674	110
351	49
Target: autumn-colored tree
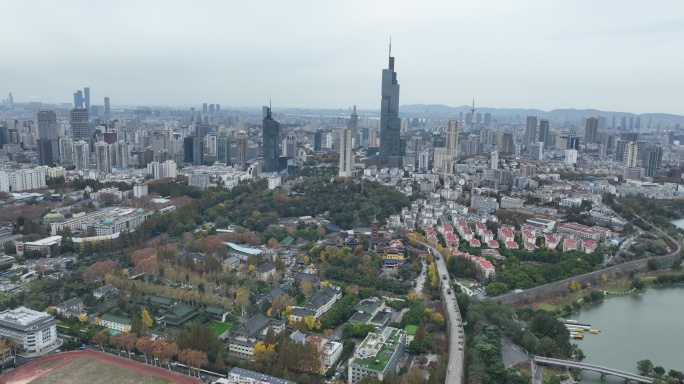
96	273
310	322
574	286
144	345
142	254
437	319
274	244
306	288
328	333
101	338
263	353
146	318
82	317
193	358
242	297
123	341
146	265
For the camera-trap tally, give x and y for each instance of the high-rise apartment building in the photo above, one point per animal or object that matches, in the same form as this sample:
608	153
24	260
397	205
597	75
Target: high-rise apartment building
630	156
271	136
494	160
652	159
346	158
81	153
452	138
591	130
536	151
80	125
390	124
353	126
103	157
120	154
241	159
507	144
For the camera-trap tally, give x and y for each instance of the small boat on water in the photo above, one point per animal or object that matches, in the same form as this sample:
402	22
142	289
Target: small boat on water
594	331
577	336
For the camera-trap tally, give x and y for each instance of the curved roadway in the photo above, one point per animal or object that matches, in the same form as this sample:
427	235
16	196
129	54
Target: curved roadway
454	367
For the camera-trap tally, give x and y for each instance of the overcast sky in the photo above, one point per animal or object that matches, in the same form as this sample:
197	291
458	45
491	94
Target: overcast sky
620	55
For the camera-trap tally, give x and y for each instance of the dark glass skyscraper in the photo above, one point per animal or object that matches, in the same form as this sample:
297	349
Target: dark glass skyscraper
271	135
390	125
80	125
48	146
318	142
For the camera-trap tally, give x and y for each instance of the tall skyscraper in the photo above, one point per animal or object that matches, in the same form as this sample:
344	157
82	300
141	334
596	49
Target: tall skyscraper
591	130
487	119
66	152
544	134
353	126
78	99
390	124
107	110
48	144
530	131
346	158
10	100
318	142
86	98
537	151
223	150
80	126
573	143
197	151
472	115
507	144
271	136
242	149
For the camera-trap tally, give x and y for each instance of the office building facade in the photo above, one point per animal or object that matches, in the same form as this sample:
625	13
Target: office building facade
271	136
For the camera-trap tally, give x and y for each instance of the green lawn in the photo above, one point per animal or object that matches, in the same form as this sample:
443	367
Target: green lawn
548	307
93	371
219	327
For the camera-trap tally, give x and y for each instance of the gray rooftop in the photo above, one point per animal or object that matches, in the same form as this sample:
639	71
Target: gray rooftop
260	377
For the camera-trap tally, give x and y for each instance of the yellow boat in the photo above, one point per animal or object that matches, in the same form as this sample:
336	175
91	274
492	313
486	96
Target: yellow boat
578	337
580	330
594	331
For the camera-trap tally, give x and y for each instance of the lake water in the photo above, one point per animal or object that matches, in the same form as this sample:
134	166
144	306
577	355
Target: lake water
633	328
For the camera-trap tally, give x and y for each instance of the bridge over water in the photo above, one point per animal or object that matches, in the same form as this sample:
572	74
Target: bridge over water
628	376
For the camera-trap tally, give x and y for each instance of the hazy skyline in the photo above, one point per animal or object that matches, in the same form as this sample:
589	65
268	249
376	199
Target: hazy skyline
610	55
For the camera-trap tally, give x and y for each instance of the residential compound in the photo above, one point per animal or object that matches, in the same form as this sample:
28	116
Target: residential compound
35	332
105	222
318	304
378	355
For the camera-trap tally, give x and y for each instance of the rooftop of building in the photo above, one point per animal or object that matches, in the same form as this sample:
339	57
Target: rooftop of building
23	318
377	349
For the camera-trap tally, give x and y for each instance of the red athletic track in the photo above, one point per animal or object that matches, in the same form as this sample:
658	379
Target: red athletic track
29	371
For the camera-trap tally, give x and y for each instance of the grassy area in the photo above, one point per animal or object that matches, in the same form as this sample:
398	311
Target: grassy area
549	307
219	327
93	371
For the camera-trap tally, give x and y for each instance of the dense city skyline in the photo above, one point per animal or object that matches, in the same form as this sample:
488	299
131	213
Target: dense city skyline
611	56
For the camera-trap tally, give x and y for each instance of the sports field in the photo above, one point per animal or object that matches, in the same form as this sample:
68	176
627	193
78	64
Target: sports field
92	367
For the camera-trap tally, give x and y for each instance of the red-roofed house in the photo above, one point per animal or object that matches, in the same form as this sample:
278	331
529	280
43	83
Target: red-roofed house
569	244
551	241
486	270
530	246
475	243
493	244
505	234
528	237
480	228
451	240
447	229
467	234
511	245
588	246
430	234
487	235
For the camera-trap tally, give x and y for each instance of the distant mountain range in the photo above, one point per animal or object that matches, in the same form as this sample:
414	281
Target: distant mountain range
438	110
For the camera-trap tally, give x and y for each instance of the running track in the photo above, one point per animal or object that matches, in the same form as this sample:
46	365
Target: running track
29	371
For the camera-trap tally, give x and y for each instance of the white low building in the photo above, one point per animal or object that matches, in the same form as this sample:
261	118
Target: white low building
36	332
